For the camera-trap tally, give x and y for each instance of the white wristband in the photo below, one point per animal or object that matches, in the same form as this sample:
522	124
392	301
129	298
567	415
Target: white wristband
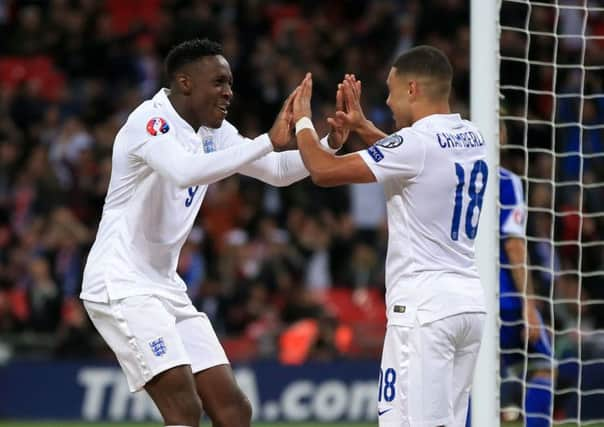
304	123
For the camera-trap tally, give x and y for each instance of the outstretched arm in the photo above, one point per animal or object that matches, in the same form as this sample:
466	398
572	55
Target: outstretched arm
325	169
172	161
284	168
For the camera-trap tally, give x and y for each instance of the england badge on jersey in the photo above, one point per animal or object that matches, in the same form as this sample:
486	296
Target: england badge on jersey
157	125
208	144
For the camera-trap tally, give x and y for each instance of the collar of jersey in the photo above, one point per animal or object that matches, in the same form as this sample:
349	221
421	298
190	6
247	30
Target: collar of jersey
452	116
162	99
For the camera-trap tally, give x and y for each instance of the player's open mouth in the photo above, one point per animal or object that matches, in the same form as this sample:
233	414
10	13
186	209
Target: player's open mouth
223	109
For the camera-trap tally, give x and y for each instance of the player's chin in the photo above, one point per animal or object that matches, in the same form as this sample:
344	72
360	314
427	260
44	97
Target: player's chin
214	122
217	119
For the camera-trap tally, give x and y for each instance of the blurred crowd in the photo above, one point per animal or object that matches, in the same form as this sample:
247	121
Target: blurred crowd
260	260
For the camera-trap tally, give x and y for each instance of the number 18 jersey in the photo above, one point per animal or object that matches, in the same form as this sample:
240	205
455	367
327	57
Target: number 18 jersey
434	175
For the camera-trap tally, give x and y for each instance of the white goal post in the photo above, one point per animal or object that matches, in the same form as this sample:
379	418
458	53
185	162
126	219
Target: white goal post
484	111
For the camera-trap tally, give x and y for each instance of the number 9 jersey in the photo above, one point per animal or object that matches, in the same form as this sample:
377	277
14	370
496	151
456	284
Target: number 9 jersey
434	175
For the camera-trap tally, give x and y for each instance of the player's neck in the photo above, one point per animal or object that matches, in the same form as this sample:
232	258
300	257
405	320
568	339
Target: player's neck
179	103
427	109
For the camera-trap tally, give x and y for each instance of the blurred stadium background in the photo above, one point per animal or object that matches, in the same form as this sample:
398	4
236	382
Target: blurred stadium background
292	278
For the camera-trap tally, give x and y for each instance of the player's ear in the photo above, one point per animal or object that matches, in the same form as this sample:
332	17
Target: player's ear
413	89
184	83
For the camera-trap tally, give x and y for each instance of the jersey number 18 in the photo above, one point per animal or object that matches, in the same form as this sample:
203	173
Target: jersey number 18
480	167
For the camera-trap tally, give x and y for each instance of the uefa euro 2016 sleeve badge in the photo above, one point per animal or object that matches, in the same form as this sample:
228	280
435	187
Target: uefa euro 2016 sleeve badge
157	125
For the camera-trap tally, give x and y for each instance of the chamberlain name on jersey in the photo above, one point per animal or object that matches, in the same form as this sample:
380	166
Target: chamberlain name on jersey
434	197
160	170
467	139
511	224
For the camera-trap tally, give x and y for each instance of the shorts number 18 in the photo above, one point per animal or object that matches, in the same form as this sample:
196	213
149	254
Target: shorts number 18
386	386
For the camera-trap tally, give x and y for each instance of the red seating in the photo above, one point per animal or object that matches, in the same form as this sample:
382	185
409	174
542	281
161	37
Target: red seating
365	313
239	349
39	70
365	306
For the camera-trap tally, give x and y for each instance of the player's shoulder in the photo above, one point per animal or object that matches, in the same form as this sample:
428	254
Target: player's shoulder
397	145
143	111
441	120
510	185
506	175
149	119
396	139
468	123
450	125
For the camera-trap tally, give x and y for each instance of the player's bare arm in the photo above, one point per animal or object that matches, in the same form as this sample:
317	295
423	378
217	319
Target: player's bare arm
516	251
325	169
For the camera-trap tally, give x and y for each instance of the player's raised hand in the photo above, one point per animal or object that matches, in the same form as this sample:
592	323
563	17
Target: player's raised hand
338	133
301	104
281	132
352	116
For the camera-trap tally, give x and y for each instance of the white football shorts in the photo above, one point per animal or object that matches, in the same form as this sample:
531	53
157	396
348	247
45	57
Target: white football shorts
427	370
149	335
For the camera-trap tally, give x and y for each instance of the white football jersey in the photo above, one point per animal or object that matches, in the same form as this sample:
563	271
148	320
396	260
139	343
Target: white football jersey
147	217
434	175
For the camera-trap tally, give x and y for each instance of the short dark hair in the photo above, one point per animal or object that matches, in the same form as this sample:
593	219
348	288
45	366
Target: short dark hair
187	52
429	62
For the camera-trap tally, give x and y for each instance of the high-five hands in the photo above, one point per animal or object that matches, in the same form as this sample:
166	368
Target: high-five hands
282	130
338	133
348	117
351	116
301	104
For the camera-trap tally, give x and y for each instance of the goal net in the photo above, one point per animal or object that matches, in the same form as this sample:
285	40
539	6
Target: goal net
551	56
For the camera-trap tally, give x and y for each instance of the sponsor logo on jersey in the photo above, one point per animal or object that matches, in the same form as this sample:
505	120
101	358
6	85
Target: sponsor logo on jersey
157	125
382	412
391	141
158	347
375	153
208	144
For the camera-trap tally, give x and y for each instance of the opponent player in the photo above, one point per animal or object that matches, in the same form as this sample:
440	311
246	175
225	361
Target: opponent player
164	157
434	175
521	320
